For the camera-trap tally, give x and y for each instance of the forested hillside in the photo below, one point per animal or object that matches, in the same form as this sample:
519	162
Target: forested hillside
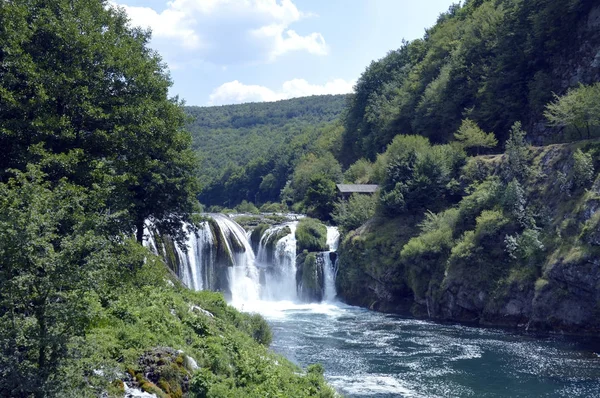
493	61
248	151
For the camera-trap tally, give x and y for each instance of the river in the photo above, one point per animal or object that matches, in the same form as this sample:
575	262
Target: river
369	354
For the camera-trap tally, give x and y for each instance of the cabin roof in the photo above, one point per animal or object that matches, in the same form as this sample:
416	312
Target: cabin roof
357	188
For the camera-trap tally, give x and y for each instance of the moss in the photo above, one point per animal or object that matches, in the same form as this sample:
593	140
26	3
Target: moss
311	235
276	237
119	385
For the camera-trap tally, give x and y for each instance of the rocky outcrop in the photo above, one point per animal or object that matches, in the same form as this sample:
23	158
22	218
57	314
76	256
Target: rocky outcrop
164	372
476	278
309	277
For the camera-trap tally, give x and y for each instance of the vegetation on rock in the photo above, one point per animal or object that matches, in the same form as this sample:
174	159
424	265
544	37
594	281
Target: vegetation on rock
311	235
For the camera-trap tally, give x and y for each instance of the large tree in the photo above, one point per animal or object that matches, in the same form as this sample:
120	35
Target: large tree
77	79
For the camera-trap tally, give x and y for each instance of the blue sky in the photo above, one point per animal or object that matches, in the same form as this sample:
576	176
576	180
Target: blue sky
233	51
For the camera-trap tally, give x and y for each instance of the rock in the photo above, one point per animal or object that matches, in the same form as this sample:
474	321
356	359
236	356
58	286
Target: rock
201	310
309	277
161	372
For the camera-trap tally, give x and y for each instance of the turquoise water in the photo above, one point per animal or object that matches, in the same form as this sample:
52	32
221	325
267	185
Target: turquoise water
368	354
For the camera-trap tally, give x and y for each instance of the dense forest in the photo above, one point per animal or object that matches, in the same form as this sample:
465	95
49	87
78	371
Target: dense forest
248	152
471	222
495	62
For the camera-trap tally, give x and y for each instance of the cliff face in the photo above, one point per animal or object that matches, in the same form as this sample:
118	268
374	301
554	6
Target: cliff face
508	254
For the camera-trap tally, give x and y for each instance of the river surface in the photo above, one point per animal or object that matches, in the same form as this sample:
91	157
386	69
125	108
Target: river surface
369	354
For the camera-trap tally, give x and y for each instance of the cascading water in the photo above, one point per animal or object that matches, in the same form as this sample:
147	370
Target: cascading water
198	271
243	275
218	256
330	264
277	261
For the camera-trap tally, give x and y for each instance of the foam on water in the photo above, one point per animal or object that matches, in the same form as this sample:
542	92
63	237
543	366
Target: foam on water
285	308
372	384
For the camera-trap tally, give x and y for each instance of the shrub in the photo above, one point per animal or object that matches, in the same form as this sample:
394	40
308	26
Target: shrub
273	208
583	168
246	207
517	154
361	172
469	135
354	212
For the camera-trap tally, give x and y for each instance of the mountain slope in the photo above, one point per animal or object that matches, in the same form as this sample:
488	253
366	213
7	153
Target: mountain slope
241	144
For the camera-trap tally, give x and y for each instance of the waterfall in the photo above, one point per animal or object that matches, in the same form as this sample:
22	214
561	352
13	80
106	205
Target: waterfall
330	264
218	255
198	270
277	261
243	275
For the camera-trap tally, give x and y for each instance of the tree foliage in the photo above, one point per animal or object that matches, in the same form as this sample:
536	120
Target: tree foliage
77	79
578	108
249	151
492	61
54	242
417	175
470	136
354	212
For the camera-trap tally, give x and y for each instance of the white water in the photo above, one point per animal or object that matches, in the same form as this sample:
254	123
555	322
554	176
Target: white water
243	276
279	272
329	267
220	257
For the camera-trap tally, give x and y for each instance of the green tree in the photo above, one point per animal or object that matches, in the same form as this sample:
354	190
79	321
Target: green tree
360	172
578	108
320	197
78	79
52	245
469	135
583	168
516	151
310	166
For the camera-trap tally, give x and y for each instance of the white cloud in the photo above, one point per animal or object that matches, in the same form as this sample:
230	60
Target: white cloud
225	32
235	92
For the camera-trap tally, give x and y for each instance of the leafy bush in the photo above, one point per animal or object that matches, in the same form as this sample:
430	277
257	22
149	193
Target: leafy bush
483	196
417	175
583	168
246	207
360	172
578	108
352	213
469	135
273	208
320	197
311	235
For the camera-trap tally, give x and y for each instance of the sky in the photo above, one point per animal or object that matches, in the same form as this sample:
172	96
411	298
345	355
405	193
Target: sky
234	51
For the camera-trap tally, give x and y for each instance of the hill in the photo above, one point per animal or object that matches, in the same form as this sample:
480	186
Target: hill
493	61
240	145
